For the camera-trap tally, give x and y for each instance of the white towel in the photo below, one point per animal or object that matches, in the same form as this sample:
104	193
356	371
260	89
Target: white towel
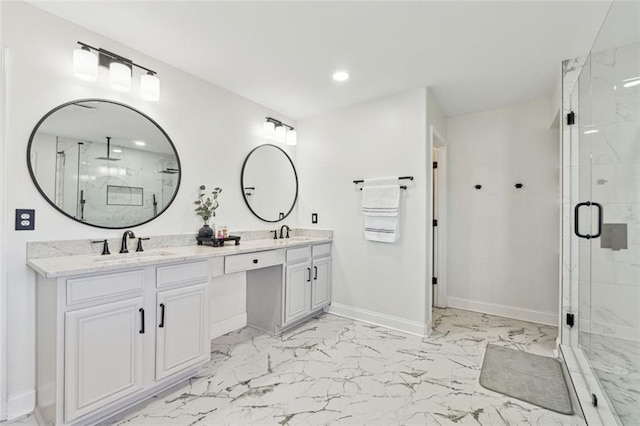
380	204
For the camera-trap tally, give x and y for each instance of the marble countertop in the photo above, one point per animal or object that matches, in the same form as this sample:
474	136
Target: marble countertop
62	266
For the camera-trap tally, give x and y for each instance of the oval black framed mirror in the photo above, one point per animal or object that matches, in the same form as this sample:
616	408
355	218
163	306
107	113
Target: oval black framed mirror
269	183
103	163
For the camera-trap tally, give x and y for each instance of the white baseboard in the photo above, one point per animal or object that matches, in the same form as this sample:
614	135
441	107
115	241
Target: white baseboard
21	405
228	325
383	320
523	314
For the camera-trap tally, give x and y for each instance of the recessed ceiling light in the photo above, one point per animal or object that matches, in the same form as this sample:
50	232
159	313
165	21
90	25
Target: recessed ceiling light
139	143
341	76
588	132
631	83
116	150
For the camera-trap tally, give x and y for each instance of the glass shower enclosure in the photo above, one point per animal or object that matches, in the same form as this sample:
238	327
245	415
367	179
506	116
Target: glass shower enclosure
601	221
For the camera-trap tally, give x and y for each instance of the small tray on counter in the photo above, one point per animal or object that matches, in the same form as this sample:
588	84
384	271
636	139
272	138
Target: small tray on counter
217	242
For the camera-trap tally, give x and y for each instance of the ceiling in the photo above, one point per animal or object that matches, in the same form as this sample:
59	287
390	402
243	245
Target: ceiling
475	55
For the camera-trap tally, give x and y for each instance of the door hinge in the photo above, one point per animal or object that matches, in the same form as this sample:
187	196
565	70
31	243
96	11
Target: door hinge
435	164
570	320
435	222
571	118
434	280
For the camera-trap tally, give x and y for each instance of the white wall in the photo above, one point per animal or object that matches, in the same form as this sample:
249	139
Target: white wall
379	282
213	131
503	242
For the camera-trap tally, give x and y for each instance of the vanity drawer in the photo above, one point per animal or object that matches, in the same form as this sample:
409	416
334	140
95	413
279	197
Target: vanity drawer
321	250
301	254
87	289
183	273
249	261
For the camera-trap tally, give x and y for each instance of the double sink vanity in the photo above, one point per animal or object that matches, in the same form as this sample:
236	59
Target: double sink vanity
113	330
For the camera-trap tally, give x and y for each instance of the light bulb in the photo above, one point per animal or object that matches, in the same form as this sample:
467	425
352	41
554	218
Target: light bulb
85	64
150	87
292	137
120	76
281	134
268	129
341	76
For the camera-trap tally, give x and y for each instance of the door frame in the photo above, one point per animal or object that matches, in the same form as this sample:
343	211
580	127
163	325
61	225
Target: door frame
4	279
439	143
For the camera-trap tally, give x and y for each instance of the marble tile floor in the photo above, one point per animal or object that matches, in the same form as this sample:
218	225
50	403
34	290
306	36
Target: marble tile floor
616	363
334	370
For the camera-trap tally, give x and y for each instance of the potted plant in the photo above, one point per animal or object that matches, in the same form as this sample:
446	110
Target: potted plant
206	209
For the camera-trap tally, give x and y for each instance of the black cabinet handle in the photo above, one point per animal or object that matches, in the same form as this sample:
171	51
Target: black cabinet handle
161	315
576	219
315	272
255	260
309	271
141	310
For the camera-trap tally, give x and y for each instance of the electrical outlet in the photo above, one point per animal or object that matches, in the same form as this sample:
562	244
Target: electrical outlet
25	219
314	217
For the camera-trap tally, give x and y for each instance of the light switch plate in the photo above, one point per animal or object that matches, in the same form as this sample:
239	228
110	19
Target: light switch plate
25	219
314	217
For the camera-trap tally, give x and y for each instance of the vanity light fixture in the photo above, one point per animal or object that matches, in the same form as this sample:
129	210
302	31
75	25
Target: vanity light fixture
268	129
292	137
120	76
85	64
86	60
282	132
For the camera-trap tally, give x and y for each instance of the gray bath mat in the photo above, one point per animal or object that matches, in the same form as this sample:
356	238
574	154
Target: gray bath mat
535	379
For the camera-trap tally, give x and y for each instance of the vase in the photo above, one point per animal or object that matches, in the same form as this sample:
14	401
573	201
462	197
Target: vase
206	231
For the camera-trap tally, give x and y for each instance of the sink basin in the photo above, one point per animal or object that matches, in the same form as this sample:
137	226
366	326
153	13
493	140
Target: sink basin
130	257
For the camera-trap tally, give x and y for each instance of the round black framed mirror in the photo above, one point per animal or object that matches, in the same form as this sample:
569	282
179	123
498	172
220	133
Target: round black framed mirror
269	183
103	163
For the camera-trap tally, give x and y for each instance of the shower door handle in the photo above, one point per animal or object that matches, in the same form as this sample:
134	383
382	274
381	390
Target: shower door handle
576	220
599	207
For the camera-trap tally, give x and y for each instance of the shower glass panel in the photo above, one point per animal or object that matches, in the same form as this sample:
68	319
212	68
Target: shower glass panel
605	147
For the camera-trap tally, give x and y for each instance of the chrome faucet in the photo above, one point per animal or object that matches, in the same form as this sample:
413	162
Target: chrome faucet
283	227
129	234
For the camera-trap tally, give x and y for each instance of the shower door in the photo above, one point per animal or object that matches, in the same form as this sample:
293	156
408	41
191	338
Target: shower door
606	222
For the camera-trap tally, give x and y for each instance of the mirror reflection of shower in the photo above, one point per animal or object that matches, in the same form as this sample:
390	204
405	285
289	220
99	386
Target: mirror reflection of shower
92	178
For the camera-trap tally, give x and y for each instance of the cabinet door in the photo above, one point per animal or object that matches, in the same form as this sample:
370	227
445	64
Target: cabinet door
297	298
182	338
321	288
103	355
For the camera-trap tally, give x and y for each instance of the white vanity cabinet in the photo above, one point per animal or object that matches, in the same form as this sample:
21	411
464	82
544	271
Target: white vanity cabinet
182	337
283	295
108	340
104	355
297	291
307	281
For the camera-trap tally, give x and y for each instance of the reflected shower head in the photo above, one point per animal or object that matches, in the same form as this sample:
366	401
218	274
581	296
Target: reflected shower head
168	171
108	157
